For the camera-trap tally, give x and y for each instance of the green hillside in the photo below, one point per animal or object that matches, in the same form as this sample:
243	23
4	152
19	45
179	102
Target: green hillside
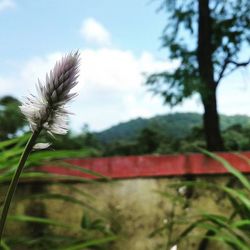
177	125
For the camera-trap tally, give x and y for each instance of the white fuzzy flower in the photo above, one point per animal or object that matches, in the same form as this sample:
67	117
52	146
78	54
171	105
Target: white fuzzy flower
173	247
47	110
182	190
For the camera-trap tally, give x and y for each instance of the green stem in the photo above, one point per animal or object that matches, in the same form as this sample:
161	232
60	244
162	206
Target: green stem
15	179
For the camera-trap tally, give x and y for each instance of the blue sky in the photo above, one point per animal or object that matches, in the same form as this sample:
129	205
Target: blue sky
31	28
118	41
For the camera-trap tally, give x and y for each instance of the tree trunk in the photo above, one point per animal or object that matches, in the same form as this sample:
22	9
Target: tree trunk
208	85
211	121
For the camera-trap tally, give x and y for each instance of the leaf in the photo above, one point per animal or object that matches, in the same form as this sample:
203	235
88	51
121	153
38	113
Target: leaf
4	245
240	195
66	198
241	223
40	146
244	181
25	218
80	168
18	141
97	242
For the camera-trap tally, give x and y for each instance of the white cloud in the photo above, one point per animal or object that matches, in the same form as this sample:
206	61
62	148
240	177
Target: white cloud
6	4
110	85
95	33
234	92
36	68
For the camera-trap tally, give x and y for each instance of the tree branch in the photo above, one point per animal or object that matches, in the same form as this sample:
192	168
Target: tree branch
237	64
226	63
224	67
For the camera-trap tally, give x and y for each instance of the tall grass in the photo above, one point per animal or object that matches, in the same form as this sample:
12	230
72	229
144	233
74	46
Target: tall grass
90	233
232	230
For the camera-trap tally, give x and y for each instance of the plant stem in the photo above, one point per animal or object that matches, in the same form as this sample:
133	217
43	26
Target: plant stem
15	179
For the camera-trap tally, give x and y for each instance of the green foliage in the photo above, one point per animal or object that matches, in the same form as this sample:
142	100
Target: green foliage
232	230
126	130
11	150
179	132
121	147
72	141
11	119
230	34
92	243
12	123
148	140
94	234
237	138
206	39
177	125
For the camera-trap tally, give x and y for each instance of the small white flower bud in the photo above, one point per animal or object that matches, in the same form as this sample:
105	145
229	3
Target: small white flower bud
182	190
40	146
47	109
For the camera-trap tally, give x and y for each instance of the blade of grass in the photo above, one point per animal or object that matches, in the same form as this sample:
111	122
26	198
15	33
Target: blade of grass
4	245
25	218
229	167
91	243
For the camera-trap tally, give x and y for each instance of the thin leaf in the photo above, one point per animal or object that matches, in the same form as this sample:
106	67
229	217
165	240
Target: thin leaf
91	243
25	218
229	167
4	245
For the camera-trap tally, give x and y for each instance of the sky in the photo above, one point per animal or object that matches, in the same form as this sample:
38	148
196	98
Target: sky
119	42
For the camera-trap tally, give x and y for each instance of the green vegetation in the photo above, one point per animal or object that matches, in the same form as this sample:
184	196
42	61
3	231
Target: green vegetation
91	232
173	133
177	125
218	33
152	137
162	134
230	229
11	119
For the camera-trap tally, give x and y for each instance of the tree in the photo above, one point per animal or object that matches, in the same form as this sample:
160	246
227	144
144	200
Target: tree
85	139
207	37
148	140
11	119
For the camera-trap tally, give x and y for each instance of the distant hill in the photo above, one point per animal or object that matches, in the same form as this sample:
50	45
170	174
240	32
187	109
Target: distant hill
177	125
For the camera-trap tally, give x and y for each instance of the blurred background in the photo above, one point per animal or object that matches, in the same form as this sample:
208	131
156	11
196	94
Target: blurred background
157	77
122	44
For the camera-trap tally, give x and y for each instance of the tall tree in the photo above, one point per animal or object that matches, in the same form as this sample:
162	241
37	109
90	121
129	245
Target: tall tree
11	119
208	38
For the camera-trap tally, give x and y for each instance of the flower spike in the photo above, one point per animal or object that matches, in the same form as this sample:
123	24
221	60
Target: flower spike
47	109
